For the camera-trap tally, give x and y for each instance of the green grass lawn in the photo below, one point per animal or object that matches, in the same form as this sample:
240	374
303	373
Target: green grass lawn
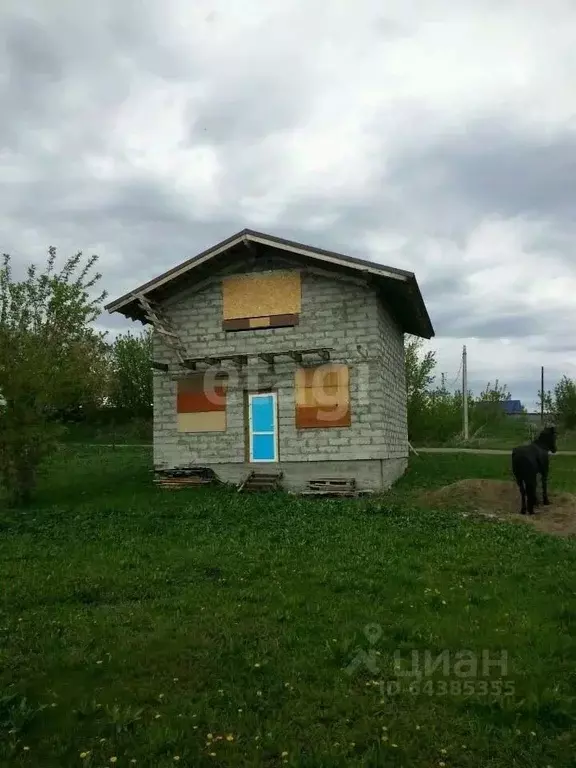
510	432
148	625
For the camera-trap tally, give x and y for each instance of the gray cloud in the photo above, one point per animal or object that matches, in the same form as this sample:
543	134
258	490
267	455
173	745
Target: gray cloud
70	70
495	168
34	60
241	109
453	322
74	65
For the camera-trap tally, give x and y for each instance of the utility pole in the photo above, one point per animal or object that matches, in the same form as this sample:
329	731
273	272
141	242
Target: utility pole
465	391
542	395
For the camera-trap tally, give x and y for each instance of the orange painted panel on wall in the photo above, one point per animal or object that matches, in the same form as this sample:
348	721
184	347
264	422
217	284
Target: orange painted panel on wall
199	402
202	392
322	418
322	397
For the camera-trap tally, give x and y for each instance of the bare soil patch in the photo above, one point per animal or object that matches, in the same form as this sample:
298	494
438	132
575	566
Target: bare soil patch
501	499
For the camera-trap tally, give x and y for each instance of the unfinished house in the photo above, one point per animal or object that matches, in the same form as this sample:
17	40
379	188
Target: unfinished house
277	359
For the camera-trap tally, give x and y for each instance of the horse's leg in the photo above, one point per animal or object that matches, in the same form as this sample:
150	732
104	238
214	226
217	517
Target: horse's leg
518	477
530	482
520	484
522	496
544	474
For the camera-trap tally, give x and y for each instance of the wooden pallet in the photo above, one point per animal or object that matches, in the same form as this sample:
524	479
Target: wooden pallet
331	486
260	481
184	482
184	477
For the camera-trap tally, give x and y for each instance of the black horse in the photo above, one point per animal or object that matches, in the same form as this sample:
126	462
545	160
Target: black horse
530	460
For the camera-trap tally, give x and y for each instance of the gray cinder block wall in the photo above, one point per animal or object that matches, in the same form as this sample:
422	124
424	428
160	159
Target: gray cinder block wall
342	313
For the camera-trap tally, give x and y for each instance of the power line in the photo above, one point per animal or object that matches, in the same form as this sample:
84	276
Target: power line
458	374
450	386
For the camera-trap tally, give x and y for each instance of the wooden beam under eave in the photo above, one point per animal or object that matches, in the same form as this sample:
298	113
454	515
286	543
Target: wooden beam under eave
239	359
323	352
192	362
159	366
267	357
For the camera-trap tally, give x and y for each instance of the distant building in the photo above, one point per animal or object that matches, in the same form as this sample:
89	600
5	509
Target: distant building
515	408
512	407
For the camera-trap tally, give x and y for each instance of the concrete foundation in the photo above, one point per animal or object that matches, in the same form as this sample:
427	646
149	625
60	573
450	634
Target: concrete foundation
374	474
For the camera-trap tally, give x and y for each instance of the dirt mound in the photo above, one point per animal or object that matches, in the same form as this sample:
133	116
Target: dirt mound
501	499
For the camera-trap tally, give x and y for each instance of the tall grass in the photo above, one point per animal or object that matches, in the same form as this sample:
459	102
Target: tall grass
218	628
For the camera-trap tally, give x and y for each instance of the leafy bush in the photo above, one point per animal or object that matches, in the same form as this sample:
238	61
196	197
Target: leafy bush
50	362
561	403
435	414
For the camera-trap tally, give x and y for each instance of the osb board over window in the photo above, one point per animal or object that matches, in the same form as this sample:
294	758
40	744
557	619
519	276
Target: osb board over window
201	403
261	301
322	397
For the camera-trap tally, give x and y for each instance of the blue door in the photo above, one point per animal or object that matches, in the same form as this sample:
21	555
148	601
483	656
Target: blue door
263	427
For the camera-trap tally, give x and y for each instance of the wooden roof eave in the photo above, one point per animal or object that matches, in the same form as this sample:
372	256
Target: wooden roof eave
413	316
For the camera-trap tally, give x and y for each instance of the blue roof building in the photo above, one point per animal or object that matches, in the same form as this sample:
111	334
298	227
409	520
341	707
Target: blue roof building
510	407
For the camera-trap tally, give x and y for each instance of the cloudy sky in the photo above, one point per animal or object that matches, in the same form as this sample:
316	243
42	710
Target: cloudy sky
434	136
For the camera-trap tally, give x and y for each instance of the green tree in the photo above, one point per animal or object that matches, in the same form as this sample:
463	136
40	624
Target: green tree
130	388
435	414
494	393
561	403
419	371
487	406
47	362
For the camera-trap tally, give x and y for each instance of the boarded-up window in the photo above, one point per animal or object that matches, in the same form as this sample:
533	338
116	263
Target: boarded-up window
322	397
201	403
270	300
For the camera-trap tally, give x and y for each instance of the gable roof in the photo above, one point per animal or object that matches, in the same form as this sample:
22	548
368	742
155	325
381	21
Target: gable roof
397	287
